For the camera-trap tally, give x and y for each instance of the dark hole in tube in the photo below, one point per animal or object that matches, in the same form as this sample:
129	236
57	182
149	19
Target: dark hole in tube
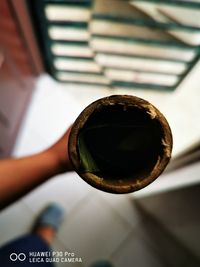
121	142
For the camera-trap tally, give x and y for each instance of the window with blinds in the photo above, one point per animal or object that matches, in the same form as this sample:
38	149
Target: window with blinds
118	43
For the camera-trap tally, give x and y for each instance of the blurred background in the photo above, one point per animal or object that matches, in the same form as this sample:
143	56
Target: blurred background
56	57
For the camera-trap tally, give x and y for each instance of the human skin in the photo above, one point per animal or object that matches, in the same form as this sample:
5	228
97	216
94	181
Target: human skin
18	176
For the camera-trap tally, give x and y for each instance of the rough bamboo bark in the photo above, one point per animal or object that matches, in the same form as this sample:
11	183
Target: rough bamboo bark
120	144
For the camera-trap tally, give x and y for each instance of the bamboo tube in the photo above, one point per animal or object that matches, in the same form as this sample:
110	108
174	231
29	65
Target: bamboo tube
120	144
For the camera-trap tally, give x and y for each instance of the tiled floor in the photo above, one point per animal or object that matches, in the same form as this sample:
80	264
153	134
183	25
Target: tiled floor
96	222
98	225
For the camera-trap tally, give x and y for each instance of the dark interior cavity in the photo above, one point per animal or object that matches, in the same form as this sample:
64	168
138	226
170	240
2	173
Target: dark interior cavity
119	143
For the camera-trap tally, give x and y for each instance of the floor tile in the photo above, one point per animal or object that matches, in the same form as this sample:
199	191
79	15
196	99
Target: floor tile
94	230
28	143
15	220
51	116
124	206
51	111
135	252
67	189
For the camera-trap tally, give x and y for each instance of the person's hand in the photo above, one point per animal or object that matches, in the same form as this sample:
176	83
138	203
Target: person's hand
60	151
18	176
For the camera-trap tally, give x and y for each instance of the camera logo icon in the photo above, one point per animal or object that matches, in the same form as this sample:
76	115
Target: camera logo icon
15	257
